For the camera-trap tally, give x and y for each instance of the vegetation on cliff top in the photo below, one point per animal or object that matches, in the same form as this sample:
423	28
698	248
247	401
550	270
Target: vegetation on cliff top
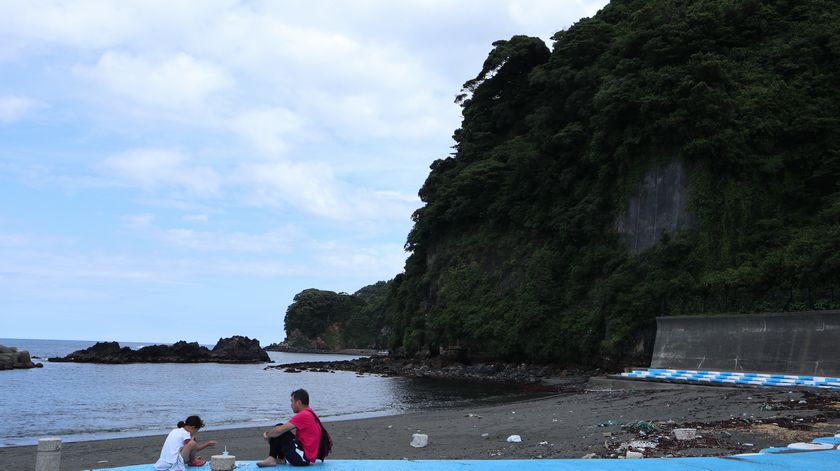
329	320
515	253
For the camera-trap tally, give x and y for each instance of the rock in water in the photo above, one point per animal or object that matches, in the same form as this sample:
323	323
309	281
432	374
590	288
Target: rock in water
235	349
11	358
239	349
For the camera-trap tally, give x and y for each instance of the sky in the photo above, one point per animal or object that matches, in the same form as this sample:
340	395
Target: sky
179	170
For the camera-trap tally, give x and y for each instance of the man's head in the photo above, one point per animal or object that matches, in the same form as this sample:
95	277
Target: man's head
299	400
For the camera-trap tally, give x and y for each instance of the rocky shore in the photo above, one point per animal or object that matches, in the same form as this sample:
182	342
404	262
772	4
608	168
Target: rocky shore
283	347
236	349
12	359
444	368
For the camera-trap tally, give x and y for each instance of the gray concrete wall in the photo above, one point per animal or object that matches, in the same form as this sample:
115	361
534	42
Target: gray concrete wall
791	343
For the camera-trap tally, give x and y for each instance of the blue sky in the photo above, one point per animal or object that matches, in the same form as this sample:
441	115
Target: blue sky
180	169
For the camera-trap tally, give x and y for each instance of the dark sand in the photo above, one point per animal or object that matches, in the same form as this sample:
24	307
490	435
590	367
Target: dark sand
561	426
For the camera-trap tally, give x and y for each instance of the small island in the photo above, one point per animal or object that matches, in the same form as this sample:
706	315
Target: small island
236	349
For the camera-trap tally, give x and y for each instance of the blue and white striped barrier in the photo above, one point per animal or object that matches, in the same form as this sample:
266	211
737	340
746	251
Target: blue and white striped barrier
724	377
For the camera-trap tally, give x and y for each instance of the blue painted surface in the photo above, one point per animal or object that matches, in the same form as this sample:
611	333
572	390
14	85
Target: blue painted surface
772	459
723	377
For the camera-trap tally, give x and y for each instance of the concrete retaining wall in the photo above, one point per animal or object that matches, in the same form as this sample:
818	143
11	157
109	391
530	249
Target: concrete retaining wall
804	343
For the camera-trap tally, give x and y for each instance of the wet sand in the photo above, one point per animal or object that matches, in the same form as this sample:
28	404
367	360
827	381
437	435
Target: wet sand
568	425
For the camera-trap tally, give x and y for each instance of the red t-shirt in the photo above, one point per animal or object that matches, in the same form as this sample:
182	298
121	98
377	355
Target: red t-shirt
308	433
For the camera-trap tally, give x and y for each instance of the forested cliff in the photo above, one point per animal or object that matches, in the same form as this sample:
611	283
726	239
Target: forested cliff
664	157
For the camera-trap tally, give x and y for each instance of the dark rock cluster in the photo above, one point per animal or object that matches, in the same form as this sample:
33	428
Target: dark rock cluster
12	359
236	349
285	347
440	367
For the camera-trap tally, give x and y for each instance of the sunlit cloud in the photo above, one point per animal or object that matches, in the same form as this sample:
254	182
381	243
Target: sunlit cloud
174	82
14	108
155	168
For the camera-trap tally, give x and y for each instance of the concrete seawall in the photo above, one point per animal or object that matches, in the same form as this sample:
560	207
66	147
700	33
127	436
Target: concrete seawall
804	343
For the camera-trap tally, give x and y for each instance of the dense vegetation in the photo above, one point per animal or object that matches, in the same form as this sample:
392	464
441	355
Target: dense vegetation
330	320
515	253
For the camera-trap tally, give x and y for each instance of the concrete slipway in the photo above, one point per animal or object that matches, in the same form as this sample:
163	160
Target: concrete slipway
773	459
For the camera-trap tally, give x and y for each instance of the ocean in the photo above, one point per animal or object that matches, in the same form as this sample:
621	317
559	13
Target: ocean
80	401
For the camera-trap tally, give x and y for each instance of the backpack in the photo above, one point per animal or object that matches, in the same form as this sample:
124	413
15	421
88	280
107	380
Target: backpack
326	444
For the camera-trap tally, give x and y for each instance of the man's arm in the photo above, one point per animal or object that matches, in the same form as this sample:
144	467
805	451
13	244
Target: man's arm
279	430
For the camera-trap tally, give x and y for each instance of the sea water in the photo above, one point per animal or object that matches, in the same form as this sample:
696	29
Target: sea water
84	401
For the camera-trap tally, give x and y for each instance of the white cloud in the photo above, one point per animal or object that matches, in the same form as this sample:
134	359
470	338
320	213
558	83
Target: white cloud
196	218
307	186
12	240
14	108
374	262
139	221
40	262
174	82
97	24
153	168
278	241
545	17
267	128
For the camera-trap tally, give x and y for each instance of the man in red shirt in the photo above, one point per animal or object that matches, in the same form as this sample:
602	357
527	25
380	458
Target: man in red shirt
303	431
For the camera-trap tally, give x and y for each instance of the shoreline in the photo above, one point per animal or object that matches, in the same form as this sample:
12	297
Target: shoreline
565	425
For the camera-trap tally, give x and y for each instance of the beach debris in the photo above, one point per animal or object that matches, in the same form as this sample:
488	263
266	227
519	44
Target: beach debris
589	456
685	433
474	416
419	440
634	454
544	443
642	426
637	445
485	435
514	439
610	423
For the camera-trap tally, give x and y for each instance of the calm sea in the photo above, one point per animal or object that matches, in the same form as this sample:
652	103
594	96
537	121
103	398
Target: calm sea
78	401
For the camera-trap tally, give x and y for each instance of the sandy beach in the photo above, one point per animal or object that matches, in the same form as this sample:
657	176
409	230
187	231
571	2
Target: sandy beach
568	425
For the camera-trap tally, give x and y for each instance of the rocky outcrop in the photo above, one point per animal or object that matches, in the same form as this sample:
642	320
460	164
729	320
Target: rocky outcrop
554	378
287	348
12	359
236	349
